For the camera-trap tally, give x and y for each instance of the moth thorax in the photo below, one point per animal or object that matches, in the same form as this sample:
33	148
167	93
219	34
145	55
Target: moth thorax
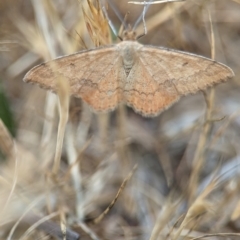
129	58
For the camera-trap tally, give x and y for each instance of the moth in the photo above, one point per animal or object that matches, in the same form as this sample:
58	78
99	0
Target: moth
147	78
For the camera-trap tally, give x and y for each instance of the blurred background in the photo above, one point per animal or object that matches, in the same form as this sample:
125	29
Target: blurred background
177	174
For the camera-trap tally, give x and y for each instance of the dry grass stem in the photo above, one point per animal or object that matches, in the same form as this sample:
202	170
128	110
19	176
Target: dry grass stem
198	160
61	164
63	94
88	230
6	141
37	224
123	185
154	2
29	208
217	235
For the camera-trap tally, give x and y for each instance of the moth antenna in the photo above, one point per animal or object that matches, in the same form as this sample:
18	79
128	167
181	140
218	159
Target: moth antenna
144	23
115	9
109	21
146	6
142	16
123	20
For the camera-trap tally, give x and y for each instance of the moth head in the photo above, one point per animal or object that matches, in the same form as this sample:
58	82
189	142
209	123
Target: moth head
129	35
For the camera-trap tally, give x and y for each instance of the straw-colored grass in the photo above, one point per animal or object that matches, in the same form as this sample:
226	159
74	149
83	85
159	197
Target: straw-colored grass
71	174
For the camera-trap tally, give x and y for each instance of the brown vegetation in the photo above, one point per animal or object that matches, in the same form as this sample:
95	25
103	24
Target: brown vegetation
117	175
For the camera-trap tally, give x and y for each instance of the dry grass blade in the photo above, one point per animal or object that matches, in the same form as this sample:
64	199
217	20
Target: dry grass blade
6	141
198	160
97	24
47	226
123	185
9	148
184	150
165	214
29	208
88	230
31	31
155	2
63	94
39	223
217	235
